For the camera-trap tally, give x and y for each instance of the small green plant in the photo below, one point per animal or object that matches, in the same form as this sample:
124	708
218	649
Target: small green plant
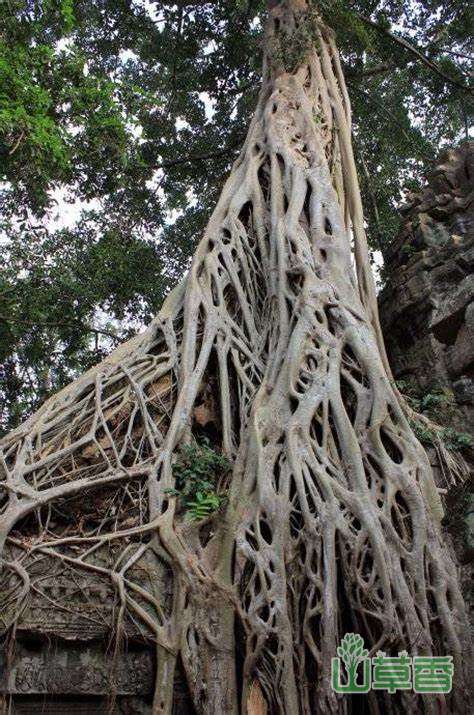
199	473
408	249
423	433
452	440
456	440
438	405
432	399
403	385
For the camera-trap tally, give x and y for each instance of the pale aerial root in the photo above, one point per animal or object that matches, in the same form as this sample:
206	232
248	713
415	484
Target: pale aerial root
332	522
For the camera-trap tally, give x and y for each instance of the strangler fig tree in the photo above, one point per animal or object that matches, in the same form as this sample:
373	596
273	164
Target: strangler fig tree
271	348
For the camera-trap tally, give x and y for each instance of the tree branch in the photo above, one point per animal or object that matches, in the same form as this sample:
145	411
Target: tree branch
17	144
59	324
371	71
199	157
372	197
414	51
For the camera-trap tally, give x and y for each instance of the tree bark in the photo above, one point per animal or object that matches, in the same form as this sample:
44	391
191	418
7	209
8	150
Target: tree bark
332	522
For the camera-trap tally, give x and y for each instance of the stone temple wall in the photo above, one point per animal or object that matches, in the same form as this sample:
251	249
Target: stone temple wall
427	305
427	315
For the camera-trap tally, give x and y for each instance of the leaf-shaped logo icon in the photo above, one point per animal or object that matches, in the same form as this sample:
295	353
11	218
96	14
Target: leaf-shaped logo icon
357	645
352	653
345	649
352	650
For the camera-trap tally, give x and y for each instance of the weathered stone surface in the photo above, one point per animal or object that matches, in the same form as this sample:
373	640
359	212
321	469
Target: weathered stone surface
65	655
461	354
71	670
464	390
427	305
427	314
84	705
57	676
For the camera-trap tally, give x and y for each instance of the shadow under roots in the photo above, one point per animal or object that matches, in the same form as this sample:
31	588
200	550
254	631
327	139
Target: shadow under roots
372	702
239	634
182	700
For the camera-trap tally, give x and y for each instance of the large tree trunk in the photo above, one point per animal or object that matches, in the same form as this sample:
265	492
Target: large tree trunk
333	520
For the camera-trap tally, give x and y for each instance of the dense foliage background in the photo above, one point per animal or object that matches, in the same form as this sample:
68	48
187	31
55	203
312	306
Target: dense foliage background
119	120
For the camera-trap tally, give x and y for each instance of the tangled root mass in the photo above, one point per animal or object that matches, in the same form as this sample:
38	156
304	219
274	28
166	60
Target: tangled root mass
332	518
